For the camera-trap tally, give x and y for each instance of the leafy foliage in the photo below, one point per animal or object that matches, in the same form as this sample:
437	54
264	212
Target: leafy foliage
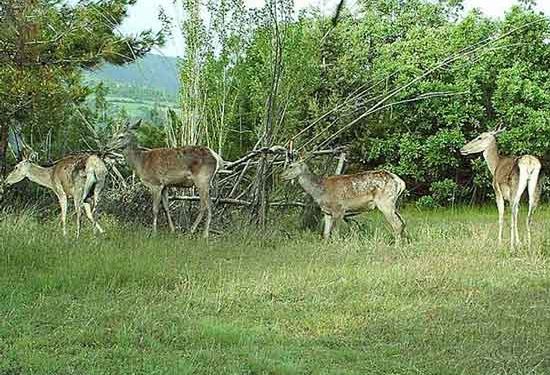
386	47
249	70
45	44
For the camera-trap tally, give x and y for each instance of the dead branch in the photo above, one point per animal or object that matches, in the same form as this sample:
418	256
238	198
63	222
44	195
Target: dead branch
274	150
260	151
287	204
465	52
238	202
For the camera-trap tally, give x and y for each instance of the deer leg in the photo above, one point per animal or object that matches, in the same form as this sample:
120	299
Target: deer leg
63	204
78	208
404	232
100	183
90	214
331	220
166	207
204	206
208	215
157	193
522	184
516	226
336	219
500	207
513	225
87	187
390	213
328	226
534	194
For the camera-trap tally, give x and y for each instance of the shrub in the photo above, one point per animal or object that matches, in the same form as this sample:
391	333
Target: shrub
426	202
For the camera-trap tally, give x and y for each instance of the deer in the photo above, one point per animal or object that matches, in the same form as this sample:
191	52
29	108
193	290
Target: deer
81	177
511	176
161	168
346	195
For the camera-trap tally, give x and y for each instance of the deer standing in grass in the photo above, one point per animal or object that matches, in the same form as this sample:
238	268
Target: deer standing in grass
511	176
342	195
163	167
81	177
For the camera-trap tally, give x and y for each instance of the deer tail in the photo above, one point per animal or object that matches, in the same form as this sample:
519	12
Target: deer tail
88	186
96	171
399	186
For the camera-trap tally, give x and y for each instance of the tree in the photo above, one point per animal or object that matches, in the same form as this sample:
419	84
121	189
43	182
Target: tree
44	45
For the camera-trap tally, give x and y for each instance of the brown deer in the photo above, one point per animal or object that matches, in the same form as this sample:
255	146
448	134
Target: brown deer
511	176
343	195
81	177
163	167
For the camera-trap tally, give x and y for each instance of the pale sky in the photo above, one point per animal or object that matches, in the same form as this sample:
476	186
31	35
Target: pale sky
144	14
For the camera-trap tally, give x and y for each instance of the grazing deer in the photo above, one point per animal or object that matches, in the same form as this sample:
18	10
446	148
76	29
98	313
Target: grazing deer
511	175
343	195
163	167
81	177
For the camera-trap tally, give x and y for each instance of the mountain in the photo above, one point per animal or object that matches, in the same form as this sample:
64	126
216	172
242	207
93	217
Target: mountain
144	89
154	72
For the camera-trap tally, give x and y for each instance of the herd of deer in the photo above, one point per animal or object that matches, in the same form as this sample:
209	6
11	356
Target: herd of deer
82	177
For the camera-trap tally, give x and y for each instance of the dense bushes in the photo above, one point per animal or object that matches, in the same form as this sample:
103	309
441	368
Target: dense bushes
231	91
386	46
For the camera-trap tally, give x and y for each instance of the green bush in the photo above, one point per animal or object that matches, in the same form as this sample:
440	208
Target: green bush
426	202
445	192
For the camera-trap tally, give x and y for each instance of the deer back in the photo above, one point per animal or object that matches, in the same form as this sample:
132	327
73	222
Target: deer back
355	185
175	166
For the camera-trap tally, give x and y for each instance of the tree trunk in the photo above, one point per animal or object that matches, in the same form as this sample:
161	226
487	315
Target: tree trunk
262	189
261	193
4	134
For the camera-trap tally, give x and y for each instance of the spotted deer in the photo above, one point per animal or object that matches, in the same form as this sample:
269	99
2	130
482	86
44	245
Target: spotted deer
160	168
81	177
343	195
511	176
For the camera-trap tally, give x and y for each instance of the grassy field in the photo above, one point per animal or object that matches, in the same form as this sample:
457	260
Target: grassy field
284	302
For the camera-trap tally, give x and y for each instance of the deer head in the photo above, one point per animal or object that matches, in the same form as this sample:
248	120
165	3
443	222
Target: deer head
294	170
20	172
124	136
481	142
22	169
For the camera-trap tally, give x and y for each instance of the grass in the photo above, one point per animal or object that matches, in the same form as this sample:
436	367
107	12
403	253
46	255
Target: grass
283	302
139	107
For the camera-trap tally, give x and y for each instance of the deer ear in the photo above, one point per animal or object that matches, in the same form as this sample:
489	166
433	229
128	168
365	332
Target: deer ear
132	126
290	152
499	129
28	154
24	154
135	125
33	156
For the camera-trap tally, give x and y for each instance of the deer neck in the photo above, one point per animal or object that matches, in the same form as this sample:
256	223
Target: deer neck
312	184
133	155
40	175
492	157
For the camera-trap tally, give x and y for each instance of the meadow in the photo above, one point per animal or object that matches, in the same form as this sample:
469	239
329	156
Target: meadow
275	302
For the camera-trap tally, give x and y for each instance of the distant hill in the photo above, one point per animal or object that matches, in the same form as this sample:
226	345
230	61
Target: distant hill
154	72
142	88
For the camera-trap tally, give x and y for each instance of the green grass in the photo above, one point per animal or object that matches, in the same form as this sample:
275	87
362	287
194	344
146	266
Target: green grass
139	107
449	302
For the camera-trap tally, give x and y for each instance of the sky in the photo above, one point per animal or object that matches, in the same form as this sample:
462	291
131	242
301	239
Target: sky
143	15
